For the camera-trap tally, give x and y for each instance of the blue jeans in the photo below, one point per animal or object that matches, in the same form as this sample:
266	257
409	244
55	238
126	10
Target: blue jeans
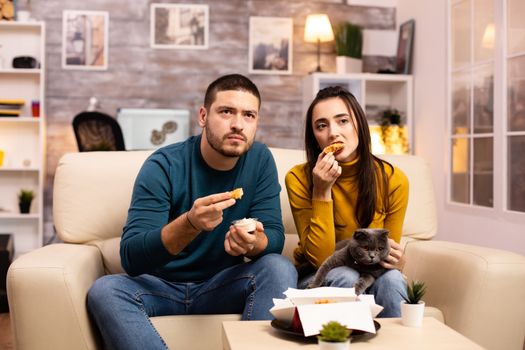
388	289
121	305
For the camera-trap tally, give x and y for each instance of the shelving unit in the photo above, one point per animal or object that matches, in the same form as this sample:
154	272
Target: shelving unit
375	93
22	138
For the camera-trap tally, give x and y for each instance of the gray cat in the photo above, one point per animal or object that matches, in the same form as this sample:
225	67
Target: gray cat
362	252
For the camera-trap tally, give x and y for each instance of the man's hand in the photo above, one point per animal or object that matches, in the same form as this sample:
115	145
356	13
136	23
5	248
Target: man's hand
206	212
396	258
239	242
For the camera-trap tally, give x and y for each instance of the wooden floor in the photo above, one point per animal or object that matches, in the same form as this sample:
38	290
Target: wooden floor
6	338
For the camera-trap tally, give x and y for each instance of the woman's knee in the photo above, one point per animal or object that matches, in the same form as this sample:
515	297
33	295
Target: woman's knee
342	276
392	279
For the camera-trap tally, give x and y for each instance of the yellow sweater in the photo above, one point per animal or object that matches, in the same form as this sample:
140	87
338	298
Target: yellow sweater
321	224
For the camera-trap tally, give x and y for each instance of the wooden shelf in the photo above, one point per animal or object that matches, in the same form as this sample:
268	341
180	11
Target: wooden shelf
13	169
21	119
35	71
18	216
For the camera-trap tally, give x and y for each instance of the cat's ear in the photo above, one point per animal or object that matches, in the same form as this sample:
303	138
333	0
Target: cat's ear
360	235
384	233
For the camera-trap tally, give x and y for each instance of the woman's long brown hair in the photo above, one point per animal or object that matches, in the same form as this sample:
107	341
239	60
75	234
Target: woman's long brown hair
371	170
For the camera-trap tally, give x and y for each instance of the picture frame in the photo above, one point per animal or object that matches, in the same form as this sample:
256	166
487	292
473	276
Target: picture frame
404	47
85	40
179	26
270	45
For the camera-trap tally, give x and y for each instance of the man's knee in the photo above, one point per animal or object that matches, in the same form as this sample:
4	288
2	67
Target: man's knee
280	267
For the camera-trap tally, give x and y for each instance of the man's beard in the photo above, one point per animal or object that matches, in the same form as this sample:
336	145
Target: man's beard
216	143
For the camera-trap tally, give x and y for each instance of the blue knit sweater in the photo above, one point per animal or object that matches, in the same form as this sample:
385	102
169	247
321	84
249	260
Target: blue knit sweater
170	180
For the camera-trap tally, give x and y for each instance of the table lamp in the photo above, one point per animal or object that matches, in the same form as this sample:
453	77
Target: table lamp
316	30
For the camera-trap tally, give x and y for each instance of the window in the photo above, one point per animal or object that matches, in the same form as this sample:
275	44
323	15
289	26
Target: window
477	64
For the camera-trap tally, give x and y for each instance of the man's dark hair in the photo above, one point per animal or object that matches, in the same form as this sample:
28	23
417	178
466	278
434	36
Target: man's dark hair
227	83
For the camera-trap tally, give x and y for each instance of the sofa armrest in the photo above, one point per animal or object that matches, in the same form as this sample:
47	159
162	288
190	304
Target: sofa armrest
47	291
479	290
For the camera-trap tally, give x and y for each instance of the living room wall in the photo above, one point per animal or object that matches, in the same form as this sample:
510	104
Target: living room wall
139	76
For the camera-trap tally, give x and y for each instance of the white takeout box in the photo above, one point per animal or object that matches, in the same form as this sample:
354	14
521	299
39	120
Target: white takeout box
345	307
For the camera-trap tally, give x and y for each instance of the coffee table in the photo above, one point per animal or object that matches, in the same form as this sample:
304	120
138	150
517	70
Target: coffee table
260	335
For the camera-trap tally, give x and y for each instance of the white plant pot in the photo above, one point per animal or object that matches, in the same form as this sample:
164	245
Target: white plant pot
324	345
346	64
23	16
412	314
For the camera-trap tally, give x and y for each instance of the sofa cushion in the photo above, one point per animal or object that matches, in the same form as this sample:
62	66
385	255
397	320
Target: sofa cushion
92	193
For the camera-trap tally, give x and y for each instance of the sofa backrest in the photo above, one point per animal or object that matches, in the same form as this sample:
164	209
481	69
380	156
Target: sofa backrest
92	192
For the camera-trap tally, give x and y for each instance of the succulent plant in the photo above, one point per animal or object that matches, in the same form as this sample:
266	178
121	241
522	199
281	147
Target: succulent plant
349	40
334	332
415	291
25	196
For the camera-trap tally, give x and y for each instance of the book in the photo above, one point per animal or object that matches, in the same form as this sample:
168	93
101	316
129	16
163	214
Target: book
13	102
10	112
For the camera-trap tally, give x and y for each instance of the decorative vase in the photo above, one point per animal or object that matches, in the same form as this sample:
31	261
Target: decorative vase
345	64
24	207
412	314
325	345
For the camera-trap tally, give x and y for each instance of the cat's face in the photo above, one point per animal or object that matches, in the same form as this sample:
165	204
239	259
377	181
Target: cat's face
370	246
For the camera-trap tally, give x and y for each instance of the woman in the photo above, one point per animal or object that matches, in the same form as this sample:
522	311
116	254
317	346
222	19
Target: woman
334	194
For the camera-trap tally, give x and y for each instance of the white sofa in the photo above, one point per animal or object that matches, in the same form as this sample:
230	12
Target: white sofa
479	292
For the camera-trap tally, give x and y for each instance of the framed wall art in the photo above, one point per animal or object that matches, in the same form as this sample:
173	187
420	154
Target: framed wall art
404	47
85	40
270	47
179	26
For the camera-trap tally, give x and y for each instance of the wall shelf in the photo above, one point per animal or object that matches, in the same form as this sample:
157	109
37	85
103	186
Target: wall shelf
22	138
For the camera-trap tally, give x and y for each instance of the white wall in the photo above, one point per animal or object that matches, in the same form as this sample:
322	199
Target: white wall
473	226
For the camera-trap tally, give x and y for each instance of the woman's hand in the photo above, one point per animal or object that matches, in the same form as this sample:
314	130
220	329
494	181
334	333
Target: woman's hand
396	258
325	173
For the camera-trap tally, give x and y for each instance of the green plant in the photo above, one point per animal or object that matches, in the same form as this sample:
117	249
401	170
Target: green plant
349	40
334	332
390	117
415	291
25	196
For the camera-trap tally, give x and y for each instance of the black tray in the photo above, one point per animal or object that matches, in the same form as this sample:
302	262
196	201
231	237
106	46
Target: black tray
357	335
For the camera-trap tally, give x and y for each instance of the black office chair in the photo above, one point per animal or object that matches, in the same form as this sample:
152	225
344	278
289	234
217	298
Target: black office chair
97	131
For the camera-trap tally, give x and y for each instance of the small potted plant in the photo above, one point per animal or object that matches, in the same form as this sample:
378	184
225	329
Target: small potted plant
334	336
412	308
25	197
348	47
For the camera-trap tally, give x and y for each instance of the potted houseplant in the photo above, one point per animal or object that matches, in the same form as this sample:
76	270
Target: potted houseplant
334	336
412	308
25	197
393	133
348	47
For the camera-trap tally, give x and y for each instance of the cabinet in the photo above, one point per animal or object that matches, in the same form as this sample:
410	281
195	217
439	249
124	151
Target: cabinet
22	137
375	93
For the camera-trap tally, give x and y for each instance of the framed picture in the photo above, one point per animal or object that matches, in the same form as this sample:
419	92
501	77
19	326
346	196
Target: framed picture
404	47
270	47
85	40
179	26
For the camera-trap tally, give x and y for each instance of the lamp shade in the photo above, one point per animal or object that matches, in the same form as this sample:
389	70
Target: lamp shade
318	28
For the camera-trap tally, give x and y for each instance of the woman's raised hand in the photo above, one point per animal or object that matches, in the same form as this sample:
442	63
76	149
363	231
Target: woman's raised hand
324	175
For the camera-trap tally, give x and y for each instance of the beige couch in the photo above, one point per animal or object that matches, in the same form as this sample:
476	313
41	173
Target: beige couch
479	292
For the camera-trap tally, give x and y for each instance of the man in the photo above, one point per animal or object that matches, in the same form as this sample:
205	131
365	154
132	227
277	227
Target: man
181	253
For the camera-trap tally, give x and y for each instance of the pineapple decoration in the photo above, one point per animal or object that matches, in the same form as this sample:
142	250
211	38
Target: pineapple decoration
394	135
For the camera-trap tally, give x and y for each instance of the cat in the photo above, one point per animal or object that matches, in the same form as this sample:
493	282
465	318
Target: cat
362	252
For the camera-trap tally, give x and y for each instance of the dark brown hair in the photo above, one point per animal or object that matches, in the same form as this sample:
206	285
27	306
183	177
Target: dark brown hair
371	175
230	82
